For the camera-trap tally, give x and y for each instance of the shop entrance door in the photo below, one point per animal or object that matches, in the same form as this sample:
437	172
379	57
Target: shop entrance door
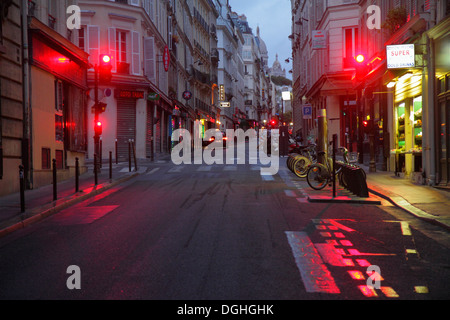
126	127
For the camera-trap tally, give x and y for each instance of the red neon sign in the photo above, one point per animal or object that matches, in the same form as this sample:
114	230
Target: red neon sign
166	58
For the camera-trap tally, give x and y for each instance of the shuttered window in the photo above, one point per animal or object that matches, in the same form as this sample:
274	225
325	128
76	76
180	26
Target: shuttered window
93	35
149	58
136	55
112	47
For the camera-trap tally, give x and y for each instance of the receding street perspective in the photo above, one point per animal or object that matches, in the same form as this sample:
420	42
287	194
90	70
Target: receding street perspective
225	158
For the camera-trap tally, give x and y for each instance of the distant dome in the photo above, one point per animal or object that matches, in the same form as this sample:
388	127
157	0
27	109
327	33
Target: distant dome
277	70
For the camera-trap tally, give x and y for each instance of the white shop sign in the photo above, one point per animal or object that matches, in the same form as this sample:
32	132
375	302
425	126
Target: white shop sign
400	56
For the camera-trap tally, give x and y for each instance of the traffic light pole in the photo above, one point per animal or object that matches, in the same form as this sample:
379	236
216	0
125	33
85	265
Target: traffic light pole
96	118
359	105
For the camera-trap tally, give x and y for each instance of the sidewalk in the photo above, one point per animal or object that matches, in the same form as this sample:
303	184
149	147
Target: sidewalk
425	202
39	203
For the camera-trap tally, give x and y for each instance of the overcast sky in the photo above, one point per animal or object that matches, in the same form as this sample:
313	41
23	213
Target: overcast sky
275	23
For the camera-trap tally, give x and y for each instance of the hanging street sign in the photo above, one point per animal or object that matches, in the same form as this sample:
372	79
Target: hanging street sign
187	95
153	96
166	58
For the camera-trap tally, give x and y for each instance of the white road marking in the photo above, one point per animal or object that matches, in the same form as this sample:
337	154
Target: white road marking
315	275
153	171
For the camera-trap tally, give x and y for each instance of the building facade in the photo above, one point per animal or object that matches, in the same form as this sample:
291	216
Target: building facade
399	105
12	118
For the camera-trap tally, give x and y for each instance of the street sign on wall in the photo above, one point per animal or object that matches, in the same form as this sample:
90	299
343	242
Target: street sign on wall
400	56
307	112
319	39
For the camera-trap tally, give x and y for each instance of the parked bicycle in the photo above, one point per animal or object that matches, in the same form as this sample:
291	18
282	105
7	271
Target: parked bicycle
319	175
300	161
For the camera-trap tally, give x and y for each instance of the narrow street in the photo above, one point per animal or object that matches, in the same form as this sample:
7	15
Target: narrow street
224	232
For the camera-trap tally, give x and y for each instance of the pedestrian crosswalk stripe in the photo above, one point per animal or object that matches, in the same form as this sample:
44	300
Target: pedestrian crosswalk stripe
204	168
153	171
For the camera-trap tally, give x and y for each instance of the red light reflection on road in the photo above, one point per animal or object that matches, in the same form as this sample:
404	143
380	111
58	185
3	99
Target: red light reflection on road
367	291
356	275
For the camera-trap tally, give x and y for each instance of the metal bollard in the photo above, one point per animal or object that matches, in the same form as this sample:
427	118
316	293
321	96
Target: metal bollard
55	190
117	157
95	170
134	156
110	165
100	160
77	175
334	164
129	155
22	188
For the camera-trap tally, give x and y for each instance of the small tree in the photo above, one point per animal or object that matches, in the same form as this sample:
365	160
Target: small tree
396	18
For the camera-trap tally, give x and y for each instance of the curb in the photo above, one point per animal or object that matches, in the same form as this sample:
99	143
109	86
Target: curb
338	199
63	205
401	203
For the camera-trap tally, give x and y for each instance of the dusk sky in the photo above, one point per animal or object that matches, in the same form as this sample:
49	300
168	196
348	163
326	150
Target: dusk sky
274	20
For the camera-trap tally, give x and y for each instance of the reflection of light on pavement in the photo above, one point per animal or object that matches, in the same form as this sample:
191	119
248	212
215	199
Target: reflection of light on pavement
368	292
337	251
314	273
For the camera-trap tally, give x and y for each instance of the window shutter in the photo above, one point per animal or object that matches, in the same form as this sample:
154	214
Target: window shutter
136	58
149	58
112	47
169	32
93	35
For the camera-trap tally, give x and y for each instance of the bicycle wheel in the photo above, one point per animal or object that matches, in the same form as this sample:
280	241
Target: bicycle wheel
317	176
301	166
342	180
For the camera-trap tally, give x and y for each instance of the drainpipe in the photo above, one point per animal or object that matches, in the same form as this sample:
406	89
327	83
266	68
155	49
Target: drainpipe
431	102
26	141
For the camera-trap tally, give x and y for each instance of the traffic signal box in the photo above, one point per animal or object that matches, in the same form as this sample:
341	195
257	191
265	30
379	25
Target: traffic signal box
361	67
105	69
98	128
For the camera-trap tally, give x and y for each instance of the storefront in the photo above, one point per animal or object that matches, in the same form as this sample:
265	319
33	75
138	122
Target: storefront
408	126
58	121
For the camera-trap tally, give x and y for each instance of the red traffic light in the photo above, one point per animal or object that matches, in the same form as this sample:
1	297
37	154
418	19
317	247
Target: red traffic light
360	58
106	58
98	128
366	123
105	68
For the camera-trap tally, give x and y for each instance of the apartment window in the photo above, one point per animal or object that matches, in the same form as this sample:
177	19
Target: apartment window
81	39
247	55
351	46
121	46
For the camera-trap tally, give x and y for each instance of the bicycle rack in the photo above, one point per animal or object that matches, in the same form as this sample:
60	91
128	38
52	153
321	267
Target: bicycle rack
355	180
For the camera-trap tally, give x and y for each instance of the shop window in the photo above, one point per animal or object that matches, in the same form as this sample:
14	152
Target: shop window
46	155
401	113
417	105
